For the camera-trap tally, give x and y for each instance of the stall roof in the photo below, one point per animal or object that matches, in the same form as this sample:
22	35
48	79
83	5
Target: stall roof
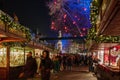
10	37
106	45
113	28
110	24
101	46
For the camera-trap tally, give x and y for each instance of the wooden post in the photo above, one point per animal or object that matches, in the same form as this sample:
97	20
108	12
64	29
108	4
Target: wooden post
8	62
24	55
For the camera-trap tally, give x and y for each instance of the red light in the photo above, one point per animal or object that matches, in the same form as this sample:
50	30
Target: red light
52	27
65	15
55	2
65	27
74	22
81	35
84	29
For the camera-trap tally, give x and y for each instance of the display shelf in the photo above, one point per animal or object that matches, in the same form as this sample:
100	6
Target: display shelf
16	56
3	57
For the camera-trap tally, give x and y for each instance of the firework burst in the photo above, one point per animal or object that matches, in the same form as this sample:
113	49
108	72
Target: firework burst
70	16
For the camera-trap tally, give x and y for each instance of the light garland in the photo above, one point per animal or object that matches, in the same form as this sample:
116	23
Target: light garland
14	26
102	38
14	44
92	33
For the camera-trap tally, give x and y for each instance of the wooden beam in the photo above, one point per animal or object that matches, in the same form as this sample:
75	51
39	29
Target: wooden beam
10	39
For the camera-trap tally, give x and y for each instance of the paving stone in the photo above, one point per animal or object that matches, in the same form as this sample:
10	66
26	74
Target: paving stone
77	73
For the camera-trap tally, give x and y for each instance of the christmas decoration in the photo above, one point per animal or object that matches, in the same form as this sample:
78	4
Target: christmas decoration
16	28
92	33
12	26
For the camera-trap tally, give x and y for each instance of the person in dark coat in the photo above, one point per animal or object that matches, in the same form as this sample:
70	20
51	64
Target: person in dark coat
90	64
30	67
69	63
46	65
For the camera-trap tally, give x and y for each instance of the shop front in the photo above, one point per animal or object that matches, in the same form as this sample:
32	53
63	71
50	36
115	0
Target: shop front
12	53
109	65
12	60
17	60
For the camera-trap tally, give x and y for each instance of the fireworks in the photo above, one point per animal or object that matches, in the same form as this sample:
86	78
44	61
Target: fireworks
70	16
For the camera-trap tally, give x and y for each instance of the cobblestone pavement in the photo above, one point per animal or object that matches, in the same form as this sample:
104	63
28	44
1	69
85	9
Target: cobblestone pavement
77	73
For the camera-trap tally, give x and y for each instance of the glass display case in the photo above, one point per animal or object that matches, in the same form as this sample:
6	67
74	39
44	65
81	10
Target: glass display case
111	55
16	56
3	56
114	55
110	69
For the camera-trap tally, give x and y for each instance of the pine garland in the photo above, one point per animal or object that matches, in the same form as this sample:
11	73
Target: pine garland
15	26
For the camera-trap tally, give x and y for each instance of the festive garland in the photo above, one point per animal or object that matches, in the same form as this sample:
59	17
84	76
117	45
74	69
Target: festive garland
92	33
14	44
15	26
95	6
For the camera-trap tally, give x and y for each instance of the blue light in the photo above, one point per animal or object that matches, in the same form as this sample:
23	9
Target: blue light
70	8
82	9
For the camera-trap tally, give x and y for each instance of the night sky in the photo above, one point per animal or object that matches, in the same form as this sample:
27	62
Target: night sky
31	13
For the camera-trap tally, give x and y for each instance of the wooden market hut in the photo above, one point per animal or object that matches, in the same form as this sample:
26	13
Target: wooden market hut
10	31
12	57
106	31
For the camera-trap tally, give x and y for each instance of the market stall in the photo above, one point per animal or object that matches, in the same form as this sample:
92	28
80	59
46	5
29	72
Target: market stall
17	60
14	44
12	60
109	66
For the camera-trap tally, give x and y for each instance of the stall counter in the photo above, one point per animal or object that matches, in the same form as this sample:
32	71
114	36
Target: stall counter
107	72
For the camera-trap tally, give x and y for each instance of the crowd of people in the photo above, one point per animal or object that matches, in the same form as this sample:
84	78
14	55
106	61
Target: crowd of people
45	64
